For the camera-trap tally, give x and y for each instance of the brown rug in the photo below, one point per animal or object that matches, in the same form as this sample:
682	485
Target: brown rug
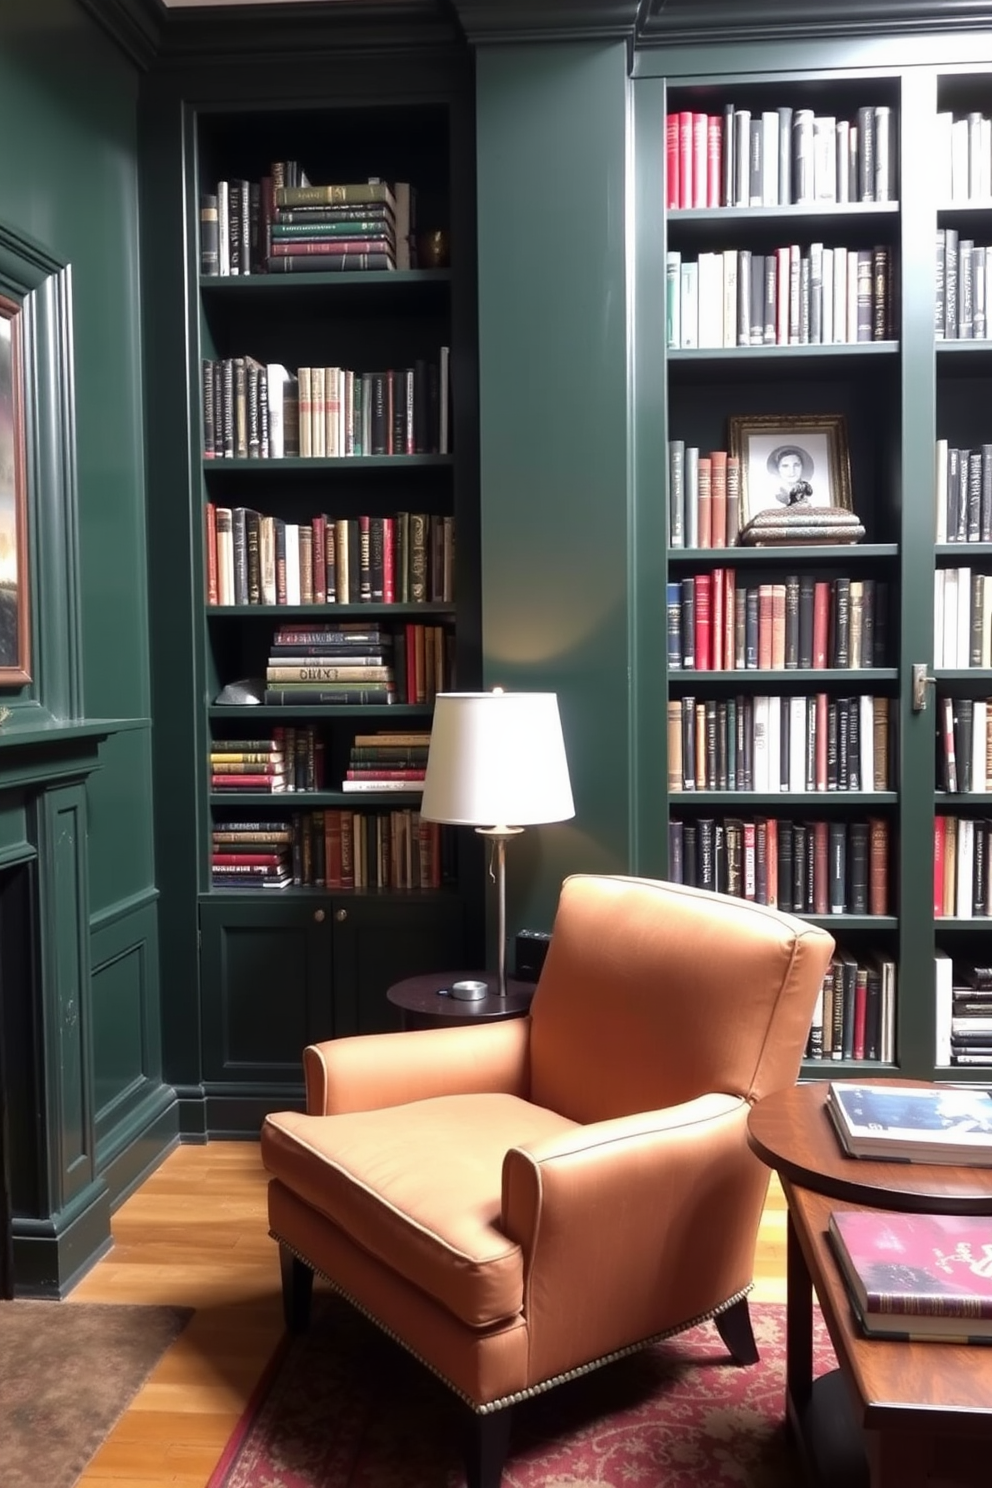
344	1407
67	1373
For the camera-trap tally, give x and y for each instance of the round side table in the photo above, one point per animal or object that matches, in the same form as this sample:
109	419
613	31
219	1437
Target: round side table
421	1002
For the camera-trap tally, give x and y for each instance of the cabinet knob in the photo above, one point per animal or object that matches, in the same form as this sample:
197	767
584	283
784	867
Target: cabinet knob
340	915
318	915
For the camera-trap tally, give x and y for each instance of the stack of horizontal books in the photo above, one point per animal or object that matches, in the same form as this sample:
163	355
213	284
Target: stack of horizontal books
251	854
333	228
247	765
351	663
389	760
908	1123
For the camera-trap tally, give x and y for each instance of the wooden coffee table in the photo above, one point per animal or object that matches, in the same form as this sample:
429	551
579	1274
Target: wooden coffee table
894	1415
423	1004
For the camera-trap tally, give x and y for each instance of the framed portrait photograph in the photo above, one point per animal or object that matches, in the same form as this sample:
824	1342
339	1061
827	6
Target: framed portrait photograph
785	453
15	630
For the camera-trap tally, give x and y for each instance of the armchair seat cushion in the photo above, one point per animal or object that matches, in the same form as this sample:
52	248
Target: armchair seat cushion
434	1221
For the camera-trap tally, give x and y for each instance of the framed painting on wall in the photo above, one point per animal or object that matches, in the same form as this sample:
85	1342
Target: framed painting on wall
15	628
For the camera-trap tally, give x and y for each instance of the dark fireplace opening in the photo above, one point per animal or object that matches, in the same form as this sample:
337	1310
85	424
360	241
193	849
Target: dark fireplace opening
18	1082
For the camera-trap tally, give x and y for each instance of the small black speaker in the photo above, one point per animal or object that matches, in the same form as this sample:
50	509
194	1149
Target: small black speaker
532	947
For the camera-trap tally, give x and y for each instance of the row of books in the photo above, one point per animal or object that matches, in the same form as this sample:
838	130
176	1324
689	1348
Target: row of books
716	624
411	665
704	496
963	158
792	296
255	558
334	848
962	288
780	744
267	411
962	618
854	1016
778	157
962	1011
962	883
243	223
964	745
962	493
290	759
813	867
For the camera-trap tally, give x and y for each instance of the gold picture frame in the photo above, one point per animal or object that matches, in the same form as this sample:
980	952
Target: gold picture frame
779	450
15	629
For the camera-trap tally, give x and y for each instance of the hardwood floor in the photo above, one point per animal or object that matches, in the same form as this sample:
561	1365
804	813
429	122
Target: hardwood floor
195	1235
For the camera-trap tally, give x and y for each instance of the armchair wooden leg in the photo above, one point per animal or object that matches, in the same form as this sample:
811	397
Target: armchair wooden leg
297	1290
734	1327
488	1438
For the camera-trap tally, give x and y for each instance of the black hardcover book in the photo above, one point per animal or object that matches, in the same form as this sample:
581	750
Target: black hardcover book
857	845
979	876
209	234
837	1007
751	628
881	621
690	855
784	887
381	418
964	718
833	745
723	750
985	520
844	744
705	843
841	617
746	773
710	734
756	269
838	868
954	504
807	587
734	838
771	298
761	860
209	434
854	781
873	1015
252	523
799	835
673	608
784	731
974	512
688	625
976	600
849	968
219	412
868	600
791	622
811	743
732	714
720	857
689	743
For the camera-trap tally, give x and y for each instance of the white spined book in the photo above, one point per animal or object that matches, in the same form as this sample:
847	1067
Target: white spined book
908	1123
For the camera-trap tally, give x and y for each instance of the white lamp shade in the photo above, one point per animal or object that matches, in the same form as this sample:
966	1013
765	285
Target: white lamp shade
497	759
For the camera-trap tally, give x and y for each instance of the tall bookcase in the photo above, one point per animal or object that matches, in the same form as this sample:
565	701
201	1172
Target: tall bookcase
278	968
896	393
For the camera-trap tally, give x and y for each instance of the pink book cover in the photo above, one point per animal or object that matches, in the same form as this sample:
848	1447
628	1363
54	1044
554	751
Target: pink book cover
937	1265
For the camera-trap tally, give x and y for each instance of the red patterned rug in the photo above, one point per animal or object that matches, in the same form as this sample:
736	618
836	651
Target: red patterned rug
343	1407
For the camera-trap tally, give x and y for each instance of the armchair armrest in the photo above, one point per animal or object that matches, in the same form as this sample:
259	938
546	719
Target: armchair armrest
369	1071
632	1226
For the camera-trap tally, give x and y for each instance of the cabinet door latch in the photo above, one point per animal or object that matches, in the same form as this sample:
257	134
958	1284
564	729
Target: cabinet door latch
920	680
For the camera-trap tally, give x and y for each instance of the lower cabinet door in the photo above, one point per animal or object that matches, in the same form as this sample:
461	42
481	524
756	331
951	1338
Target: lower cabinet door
379	941
266	973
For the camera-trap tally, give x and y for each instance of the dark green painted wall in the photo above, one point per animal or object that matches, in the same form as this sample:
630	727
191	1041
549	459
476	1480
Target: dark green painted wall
68	179
552	124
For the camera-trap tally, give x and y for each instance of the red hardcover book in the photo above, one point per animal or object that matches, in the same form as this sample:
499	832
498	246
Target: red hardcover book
672	162
247	860
733	498
772	849
319	558
700	131
764	627
729	615
917	1275
714	159
718	596
939	837
702	585
273	783
821	622
332	849
860	1011
778	627
389	560
685	159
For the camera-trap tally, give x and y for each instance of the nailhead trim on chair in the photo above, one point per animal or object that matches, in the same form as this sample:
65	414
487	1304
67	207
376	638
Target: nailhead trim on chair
532	1390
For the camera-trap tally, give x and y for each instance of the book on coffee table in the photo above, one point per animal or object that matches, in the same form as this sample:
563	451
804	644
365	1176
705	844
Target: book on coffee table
910	1276
901	1123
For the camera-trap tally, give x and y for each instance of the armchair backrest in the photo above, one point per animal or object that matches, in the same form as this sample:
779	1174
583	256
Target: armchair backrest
652	994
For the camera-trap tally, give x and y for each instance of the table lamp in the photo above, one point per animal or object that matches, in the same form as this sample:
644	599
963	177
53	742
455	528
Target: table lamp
497	763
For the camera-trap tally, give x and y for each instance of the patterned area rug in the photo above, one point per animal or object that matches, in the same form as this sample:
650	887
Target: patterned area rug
343	1407
67	1373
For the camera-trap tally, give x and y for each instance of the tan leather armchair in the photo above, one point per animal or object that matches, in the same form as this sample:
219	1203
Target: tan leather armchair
520	1202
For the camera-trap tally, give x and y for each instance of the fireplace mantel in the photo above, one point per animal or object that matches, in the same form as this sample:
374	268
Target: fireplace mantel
58	1207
